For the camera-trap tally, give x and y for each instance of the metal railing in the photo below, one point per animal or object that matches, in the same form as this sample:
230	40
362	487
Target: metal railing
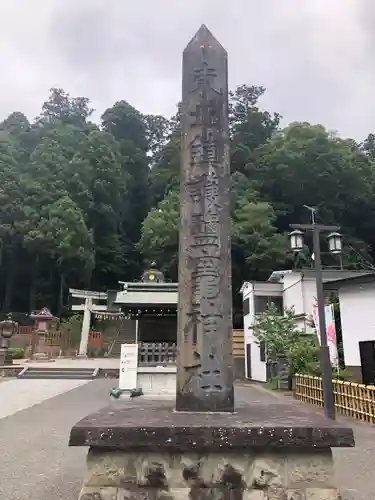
351	399
157	353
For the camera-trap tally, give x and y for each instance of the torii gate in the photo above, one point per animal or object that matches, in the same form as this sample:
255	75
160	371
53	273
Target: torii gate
87	307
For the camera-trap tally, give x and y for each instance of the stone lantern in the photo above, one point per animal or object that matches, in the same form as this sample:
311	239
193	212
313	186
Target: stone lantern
8	328
43	320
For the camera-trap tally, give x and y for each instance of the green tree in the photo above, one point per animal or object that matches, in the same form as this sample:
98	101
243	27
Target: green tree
158	131
159	240
18	129
71	243
368	146
97	183
254	231
283	341
115	188
129	129
62	108
11	216
250	127
305	165
257	247
70	328
165	173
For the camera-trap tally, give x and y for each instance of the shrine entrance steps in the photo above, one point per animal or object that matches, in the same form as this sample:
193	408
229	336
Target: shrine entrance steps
36	372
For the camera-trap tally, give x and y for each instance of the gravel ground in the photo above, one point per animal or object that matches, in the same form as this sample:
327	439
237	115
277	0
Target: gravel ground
37	464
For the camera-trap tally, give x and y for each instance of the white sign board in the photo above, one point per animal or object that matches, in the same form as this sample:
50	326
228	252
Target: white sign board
128	367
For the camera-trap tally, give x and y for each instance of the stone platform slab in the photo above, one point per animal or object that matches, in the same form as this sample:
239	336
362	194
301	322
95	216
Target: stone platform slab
148	425
141	449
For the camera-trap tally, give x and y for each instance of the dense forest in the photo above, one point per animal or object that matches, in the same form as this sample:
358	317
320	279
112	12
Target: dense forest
86	204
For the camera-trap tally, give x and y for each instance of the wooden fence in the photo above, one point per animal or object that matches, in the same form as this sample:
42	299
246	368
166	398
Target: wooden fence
149	352
28	336
157	352
351	399
238	344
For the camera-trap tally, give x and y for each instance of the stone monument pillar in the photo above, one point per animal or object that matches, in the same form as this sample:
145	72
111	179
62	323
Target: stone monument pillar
203	447
205	363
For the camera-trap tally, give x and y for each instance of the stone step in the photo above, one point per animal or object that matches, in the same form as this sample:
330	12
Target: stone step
58	373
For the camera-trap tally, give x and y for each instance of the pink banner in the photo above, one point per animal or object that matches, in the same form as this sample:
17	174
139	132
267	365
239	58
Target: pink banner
331	332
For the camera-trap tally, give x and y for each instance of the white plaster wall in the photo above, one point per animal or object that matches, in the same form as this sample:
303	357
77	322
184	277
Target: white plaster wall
258	367
293	293
300	293
357	304
248	293
309	294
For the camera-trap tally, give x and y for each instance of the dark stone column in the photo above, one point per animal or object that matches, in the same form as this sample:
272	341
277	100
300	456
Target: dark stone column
205	362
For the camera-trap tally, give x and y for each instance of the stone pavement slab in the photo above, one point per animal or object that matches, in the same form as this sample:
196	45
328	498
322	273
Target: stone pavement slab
37	464
19	394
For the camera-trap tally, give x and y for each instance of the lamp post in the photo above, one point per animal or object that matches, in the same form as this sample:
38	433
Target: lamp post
335	247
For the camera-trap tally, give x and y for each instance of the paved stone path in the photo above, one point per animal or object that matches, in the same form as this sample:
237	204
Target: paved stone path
35	460
354	467
17	395
37	464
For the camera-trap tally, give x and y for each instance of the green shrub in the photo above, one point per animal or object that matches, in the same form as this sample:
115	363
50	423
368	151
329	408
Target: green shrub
341	374
16	352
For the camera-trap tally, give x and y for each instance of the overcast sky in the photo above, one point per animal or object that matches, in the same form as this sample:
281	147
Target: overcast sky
315	57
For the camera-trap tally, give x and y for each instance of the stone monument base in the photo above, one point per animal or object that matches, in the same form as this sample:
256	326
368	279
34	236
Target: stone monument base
41	353
3	356
40	356
142	449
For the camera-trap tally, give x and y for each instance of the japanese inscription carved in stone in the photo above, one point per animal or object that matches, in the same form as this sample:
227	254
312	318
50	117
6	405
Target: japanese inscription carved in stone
205	365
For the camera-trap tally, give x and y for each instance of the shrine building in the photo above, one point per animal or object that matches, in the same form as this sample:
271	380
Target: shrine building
145	312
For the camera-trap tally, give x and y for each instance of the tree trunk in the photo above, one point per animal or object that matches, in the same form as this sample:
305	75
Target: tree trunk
34	284
9	286
60	301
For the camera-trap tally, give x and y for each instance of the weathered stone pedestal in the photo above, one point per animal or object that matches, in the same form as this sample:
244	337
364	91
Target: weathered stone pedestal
41	353
145	450
3	356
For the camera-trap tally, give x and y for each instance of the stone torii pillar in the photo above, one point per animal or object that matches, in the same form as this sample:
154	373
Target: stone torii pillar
205	362
87	308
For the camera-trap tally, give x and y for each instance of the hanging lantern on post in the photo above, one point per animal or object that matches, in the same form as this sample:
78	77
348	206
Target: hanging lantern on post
296	240
335	243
